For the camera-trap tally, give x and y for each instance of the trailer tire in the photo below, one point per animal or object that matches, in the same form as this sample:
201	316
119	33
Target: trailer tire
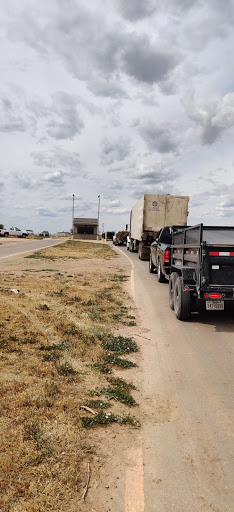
131	246
140	252
151	265
161	277
172	280
182	300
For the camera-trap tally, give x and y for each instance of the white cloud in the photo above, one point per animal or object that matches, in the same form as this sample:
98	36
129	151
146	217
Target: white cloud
118	99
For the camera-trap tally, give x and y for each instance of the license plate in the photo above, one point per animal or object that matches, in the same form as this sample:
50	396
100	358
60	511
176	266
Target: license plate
215	304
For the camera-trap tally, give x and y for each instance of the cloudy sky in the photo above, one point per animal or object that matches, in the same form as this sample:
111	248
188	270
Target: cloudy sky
115	98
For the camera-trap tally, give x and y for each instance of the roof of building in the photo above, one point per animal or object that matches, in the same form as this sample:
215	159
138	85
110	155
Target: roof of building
84	222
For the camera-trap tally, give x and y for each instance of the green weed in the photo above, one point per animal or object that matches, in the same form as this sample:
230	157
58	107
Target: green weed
120	345
119	391
65	369
105	418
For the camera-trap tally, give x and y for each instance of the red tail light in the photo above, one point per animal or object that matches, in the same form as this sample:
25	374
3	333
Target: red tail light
212	295
166	257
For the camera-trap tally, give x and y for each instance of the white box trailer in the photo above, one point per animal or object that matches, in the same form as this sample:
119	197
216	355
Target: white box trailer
150	214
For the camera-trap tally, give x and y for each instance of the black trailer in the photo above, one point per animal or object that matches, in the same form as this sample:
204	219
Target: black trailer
202	269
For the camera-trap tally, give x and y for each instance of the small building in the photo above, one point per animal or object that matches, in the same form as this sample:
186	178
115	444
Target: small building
85	229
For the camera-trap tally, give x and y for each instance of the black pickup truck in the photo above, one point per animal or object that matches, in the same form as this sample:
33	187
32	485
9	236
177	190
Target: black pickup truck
160	253
202	269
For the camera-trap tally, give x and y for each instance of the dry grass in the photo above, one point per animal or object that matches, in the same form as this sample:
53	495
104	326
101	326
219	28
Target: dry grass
76	249
50	340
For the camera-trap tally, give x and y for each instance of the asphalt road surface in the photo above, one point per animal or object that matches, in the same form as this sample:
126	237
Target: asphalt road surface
185	456
16	246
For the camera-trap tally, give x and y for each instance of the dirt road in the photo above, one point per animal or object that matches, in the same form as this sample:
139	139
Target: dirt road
184	459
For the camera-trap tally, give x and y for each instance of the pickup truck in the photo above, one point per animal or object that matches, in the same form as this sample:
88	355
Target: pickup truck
13	232
160	251
202	269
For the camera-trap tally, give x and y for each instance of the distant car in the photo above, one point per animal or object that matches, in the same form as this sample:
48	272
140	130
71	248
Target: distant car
44	233
30	232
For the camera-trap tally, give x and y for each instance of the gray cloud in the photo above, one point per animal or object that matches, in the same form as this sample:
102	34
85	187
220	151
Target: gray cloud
59	158
213	116
11	119
94	50
161	138
115	150
64	120
136	9
147	62
157	174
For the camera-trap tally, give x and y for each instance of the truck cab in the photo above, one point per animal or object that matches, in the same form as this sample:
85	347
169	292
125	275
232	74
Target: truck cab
160	253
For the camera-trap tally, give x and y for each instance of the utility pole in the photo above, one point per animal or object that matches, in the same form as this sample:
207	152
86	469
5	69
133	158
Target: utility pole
98	215
73	195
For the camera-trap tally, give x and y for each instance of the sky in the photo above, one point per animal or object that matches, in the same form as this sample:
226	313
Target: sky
115	98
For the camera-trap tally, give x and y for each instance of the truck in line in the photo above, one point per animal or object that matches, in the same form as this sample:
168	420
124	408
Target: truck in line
201	269
150	214
160	253
13	232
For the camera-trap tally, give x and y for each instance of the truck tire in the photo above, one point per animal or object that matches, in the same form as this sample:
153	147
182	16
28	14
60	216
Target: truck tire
23	235
140	252
182	300
161	277
151	265
172	280
6	235
131	246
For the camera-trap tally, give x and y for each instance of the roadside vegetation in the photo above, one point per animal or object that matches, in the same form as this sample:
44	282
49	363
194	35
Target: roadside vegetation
59	353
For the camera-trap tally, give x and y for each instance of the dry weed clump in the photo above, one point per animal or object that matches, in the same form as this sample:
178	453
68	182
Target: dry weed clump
50	340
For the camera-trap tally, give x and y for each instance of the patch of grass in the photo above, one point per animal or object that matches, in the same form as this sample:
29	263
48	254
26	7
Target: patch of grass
65	369
105	418
119	277
51	389
120	345
51	357
102	368
76	250
35	432
59	346
118	361
98	404
71	331
119	391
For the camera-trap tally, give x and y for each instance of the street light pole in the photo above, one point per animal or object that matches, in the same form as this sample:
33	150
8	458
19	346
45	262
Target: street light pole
98	215
73	195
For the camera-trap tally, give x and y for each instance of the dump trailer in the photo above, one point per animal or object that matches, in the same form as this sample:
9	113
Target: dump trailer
202	269
150	214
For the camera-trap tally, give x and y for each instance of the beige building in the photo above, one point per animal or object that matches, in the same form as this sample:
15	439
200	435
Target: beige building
85	229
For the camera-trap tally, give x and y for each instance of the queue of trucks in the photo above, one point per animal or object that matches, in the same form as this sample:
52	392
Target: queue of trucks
196	261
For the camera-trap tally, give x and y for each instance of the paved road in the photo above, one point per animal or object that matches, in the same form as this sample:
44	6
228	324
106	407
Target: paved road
186	450
12	247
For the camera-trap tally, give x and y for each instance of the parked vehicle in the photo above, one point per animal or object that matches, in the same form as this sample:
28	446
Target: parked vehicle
150	214
202	269
44	233
160	252
13	232
29	232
